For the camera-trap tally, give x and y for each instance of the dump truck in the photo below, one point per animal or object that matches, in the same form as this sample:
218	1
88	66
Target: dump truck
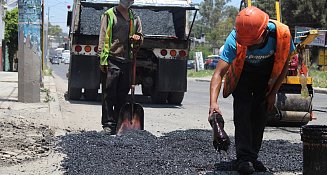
161	61
293	105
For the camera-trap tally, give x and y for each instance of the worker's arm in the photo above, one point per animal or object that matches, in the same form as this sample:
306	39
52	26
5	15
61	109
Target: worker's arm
138	36
215	85
271	97
102	35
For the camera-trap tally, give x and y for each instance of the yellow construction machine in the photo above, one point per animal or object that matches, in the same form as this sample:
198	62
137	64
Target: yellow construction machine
293	106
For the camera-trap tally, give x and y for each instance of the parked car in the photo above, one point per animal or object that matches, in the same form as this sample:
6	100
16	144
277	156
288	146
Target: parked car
209	60
190	64
65	56
66	60
213	64
55	60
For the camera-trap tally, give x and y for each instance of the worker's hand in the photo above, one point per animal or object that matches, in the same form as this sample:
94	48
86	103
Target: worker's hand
136	37
103	68
214	108
270	100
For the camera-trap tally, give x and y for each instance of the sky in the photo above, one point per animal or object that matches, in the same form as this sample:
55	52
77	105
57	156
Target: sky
58	11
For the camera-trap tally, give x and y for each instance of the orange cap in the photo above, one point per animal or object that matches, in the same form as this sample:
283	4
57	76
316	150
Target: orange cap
250	24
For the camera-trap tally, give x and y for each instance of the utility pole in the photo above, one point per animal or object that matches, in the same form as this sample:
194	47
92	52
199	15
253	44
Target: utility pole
42	37
29	50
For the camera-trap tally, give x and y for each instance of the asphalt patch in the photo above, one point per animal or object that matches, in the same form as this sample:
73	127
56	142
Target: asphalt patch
178	152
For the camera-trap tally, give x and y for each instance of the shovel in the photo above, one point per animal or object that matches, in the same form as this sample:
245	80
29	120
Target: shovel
131	115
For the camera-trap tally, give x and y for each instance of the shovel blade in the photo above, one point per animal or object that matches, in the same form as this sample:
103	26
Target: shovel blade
131	117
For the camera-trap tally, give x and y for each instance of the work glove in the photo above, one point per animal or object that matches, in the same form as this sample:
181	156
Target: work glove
221	140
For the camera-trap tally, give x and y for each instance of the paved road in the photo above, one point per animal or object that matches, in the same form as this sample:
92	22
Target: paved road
166	118
197	99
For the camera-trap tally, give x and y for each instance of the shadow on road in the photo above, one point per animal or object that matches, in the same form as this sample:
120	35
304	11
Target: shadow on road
145	101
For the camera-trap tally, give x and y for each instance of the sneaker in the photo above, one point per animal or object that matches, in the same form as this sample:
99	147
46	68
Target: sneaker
109	131
258	166
245	168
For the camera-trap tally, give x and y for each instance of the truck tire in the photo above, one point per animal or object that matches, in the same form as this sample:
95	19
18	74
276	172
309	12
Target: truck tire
146	90
175	98
159	97
74	93
91	94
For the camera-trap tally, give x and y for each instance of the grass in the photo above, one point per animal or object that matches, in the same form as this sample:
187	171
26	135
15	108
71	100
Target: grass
47	71
48	97
201	73
319	77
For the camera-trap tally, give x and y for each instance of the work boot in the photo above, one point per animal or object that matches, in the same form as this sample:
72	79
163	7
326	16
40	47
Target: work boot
109	131
245	168
258	166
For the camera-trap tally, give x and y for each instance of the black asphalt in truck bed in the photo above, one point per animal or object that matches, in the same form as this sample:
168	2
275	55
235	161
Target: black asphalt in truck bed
178	152
153	23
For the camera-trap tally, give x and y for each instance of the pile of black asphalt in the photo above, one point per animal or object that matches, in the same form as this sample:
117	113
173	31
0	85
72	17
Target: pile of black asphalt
178	152
153	22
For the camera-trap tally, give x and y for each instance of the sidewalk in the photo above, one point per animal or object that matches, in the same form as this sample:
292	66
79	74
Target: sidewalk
48	106
207	79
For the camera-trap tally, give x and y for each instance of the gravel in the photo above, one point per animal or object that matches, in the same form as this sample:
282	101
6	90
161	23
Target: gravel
90	20
156	23
178	152
153	23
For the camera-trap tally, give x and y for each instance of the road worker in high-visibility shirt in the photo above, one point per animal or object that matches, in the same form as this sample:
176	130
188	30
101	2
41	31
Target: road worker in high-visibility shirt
120	32
255	61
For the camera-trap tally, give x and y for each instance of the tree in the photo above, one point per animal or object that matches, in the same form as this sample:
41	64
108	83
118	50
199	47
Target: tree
305	13
217	20
11	34
297	12
54	30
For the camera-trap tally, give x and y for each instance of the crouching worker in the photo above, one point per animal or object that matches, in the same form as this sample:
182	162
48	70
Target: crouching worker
255	61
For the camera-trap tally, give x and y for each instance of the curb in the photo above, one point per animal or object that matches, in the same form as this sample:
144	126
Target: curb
54	107
320	90
316	89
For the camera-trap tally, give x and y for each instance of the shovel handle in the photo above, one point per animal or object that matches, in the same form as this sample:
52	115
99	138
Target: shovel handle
134	51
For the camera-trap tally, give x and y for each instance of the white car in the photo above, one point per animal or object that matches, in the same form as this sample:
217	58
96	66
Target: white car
66	60
65	57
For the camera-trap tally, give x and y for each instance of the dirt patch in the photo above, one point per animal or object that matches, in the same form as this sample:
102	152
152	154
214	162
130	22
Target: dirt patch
22	141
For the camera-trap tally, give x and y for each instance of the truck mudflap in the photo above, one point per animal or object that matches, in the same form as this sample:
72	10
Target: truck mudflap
291	110
171	75
84	72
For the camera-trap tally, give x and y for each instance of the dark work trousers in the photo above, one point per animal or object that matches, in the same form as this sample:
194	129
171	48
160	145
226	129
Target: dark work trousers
115	88
250	113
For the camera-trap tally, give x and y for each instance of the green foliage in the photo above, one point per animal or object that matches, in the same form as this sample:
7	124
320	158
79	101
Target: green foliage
306	13
201	48
11	33
48	98
297	12
54	30
201	73
216	21
47	71
319	78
